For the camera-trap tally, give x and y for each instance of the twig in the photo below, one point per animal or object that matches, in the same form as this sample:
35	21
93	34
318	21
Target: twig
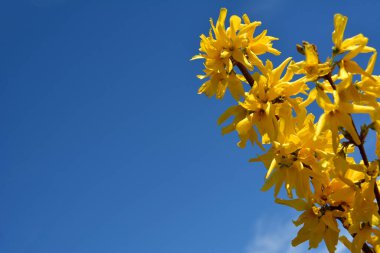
366	163
365	248
245	72
329	79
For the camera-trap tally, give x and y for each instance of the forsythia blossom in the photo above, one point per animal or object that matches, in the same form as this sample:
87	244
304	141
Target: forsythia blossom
310	159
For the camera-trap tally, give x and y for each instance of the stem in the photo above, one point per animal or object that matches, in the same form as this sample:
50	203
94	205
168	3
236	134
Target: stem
329	79
365	248
245	72
377	196
361	147
363	154
366	163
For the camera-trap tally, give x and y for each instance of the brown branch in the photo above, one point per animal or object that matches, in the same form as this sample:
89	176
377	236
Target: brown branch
329	79
365	248
245	72
375	188
377	196
366	163
360	146
363	153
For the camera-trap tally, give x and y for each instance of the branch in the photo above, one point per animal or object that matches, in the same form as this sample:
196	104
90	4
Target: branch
377	196
244	71
329	79
365	248
361	147
366	163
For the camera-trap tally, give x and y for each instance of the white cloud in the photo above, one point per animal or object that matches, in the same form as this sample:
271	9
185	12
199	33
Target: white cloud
272	235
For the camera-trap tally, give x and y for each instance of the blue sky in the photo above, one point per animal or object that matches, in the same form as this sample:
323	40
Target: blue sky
105	145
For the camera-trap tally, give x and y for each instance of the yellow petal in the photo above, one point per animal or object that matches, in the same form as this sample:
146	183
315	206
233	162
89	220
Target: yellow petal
345	121
302	236
340	22
270	181
236	88
353	53
209	88
317	237
343	239
240	57
354	68
330	221
235	22
371	63
228	113
358	40
198	56
324	101
228	129
360	239
331	240
256	61
276	73
311	55
353	108
246	19
297	204
272	166
320	125
222	17
244	127
221	89
230	66
312	96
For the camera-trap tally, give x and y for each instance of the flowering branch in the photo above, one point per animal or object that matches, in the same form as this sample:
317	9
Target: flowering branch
311	159
366	163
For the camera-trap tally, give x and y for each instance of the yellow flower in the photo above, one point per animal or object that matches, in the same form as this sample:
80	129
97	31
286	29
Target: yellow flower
225	47
375	116
268	100
284	167
337	114
218	83
292	160
262	115
277	85
311	67
311	160
258	45
353	45
242	123
360	238
375	240
364	209
369	84
318	224
270	97
218	49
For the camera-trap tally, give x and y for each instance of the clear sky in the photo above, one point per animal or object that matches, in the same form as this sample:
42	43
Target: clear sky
105	145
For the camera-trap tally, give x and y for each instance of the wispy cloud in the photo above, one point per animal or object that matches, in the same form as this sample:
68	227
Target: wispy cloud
272	235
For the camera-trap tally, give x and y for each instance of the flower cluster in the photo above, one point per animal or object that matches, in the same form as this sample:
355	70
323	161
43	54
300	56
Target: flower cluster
310	157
